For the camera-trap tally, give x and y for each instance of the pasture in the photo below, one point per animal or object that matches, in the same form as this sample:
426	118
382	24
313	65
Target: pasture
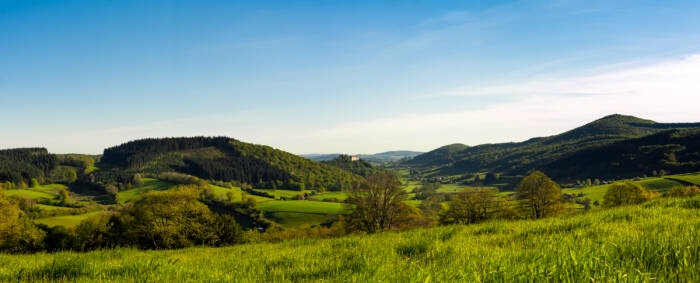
66	220
295	213
656	241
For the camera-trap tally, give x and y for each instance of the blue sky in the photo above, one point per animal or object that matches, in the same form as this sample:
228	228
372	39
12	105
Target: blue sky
335	76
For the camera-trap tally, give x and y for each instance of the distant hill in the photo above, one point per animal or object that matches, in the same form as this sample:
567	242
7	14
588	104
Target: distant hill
675	151
226	159
24	164
389	156
518	158
441	156
359	167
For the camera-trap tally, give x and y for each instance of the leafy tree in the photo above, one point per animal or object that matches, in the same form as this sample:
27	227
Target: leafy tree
35	183
167	219
93	233
431	206
137	180
491	177
63	196
21	185
17	232
542	196
427	190
377	202
471	205
624	193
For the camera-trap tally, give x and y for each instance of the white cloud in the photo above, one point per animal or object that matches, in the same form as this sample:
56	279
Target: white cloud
664	91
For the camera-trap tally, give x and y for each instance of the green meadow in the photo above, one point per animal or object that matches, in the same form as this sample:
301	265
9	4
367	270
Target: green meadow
653	242
66	220
295	213
31	194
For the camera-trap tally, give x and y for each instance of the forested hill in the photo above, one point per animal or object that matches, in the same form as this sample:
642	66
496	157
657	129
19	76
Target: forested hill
359	167
226	159
384	157
675	151
20	166
517	158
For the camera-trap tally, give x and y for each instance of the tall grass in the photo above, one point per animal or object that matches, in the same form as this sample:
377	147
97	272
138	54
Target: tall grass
657	241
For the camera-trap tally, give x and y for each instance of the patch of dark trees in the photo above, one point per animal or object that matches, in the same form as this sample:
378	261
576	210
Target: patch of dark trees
25	164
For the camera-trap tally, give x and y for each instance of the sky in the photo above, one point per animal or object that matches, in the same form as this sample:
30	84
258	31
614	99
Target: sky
339	76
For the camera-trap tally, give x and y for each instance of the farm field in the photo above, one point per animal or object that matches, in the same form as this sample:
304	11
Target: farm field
656	241
149	184
295	213
66	220
341	196
31	194
303	206
657	184
693	178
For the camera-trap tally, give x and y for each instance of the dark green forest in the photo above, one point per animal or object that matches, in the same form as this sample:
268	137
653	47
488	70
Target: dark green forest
557	151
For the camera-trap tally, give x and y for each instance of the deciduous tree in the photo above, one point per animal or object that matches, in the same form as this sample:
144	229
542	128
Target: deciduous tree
541	196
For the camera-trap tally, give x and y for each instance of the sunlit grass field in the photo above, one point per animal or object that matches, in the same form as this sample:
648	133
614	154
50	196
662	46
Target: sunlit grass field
149	184
653	242
66	220
303	206
295	213
693	178
31	194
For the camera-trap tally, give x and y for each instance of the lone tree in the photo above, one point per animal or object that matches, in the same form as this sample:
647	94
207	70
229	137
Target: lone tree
624	193
471	206
542	196
378	202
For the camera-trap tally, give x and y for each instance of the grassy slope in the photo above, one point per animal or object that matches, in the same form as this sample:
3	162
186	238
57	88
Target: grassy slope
693	178
295	213
154	184
66	220
32	194
221	191
284	193
652	242
148	185
596	193
303	206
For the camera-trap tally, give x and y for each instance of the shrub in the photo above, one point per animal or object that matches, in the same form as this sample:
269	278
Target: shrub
684	191
624	193
17	232
93	233
169	219
181	179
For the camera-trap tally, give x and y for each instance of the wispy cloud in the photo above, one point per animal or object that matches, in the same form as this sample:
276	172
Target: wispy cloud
675	76
664	91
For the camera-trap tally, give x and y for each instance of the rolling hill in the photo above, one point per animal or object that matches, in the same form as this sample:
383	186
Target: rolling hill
675	151
518	158
227	159
389	156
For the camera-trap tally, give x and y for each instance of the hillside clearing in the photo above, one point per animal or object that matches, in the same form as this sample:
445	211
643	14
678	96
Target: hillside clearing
66	220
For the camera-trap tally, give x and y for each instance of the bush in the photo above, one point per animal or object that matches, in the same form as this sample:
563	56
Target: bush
624	193
173	219
93	233
181	179
17	232
684	191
